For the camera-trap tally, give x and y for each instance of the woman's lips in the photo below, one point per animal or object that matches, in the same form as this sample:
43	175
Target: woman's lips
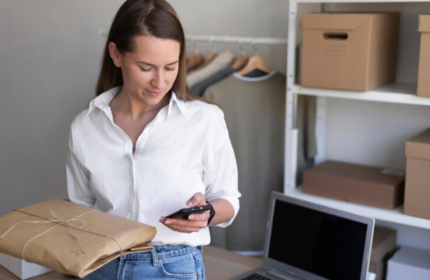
154	93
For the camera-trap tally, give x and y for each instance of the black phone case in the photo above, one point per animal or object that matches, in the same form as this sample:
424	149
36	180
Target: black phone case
185	212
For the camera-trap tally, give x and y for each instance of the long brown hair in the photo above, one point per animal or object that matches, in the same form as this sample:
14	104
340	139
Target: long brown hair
143	17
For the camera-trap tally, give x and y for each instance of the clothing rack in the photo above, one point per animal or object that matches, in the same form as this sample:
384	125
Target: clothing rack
236	39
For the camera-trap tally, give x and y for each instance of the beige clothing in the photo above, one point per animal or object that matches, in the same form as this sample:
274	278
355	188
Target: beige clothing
220	62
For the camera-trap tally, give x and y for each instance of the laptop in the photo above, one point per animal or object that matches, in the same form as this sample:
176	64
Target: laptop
306	241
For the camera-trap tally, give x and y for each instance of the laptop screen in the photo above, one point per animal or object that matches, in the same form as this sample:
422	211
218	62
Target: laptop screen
329	246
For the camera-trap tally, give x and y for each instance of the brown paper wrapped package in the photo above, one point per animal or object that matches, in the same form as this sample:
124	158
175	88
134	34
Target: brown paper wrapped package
71	239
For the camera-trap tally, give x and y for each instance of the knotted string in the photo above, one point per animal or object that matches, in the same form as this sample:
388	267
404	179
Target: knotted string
59	222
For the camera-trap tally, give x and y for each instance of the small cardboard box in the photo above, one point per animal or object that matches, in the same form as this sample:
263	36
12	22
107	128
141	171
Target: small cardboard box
409	263
355	183
383	246
21	268
417	189
349	51
424	64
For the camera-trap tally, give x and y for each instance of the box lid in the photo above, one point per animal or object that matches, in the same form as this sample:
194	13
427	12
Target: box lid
419	146
424	23
333	21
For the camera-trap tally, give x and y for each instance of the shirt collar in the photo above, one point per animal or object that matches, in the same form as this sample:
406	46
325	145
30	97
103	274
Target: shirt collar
106	97
179	103
103	99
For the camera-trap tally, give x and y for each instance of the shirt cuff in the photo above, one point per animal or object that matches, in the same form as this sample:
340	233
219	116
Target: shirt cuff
234	201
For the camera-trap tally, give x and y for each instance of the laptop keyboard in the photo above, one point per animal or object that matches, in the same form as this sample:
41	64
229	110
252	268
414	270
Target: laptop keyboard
255	276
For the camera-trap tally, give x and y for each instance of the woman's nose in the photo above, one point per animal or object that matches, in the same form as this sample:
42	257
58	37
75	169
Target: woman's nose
158	80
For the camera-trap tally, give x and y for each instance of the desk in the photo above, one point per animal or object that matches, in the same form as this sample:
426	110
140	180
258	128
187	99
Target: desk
220	265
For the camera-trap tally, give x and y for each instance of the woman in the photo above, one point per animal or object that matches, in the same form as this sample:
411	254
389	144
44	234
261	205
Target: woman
146	146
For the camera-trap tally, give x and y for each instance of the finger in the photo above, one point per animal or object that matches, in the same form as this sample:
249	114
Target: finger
185	223
196	199
200	217
180	226
184	229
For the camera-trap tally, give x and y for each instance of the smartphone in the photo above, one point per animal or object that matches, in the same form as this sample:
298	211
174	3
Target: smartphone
185	212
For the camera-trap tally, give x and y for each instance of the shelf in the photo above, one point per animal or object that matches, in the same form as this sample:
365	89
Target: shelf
402	93
394	216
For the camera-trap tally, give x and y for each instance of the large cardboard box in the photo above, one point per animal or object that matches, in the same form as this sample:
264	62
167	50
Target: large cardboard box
21	268
417	189
371	186
349	51
424	64
383	246
409	263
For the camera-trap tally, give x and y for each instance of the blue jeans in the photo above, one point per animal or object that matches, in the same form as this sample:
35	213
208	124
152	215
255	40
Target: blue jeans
164	262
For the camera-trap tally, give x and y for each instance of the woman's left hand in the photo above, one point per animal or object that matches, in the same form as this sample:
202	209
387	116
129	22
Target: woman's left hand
195	221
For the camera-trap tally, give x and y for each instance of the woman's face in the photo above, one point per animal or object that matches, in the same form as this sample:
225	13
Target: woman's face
150	71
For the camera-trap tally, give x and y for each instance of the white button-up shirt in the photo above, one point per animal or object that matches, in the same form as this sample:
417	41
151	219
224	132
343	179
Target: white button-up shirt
184	150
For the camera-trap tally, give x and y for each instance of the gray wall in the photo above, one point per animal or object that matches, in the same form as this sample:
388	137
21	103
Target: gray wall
50	52
49	58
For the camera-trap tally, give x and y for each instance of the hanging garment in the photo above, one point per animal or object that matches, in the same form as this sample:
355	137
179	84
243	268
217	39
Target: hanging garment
220	62
199	88
254	111
207	60
194	61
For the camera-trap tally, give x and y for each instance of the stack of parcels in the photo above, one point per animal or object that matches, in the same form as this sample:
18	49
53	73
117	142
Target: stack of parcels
70	238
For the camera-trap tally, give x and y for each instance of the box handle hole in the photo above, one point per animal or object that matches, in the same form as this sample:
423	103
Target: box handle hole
335	36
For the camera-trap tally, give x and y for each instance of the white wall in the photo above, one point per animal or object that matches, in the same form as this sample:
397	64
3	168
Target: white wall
250	18
237	18
49	59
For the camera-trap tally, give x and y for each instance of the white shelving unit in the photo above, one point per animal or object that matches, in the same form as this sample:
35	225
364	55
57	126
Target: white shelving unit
403	93
400	93
391	216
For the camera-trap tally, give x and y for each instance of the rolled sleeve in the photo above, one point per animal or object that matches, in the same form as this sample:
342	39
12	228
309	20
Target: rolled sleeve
221	179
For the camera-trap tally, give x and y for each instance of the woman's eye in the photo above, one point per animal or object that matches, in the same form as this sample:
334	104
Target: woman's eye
170	69
145	69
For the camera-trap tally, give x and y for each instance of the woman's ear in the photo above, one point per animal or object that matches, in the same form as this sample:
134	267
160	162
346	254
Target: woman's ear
115	54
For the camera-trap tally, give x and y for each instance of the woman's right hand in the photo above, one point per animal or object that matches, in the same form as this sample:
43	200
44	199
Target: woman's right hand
195	221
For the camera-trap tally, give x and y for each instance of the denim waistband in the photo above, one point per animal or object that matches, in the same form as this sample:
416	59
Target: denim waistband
163	251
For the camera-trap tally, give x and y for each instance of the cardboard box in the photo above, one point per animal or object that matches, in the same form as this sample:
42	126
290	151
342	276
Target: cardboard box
70	238
349	51
355	183
383	246
424	64
21	268
417	189
409	263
